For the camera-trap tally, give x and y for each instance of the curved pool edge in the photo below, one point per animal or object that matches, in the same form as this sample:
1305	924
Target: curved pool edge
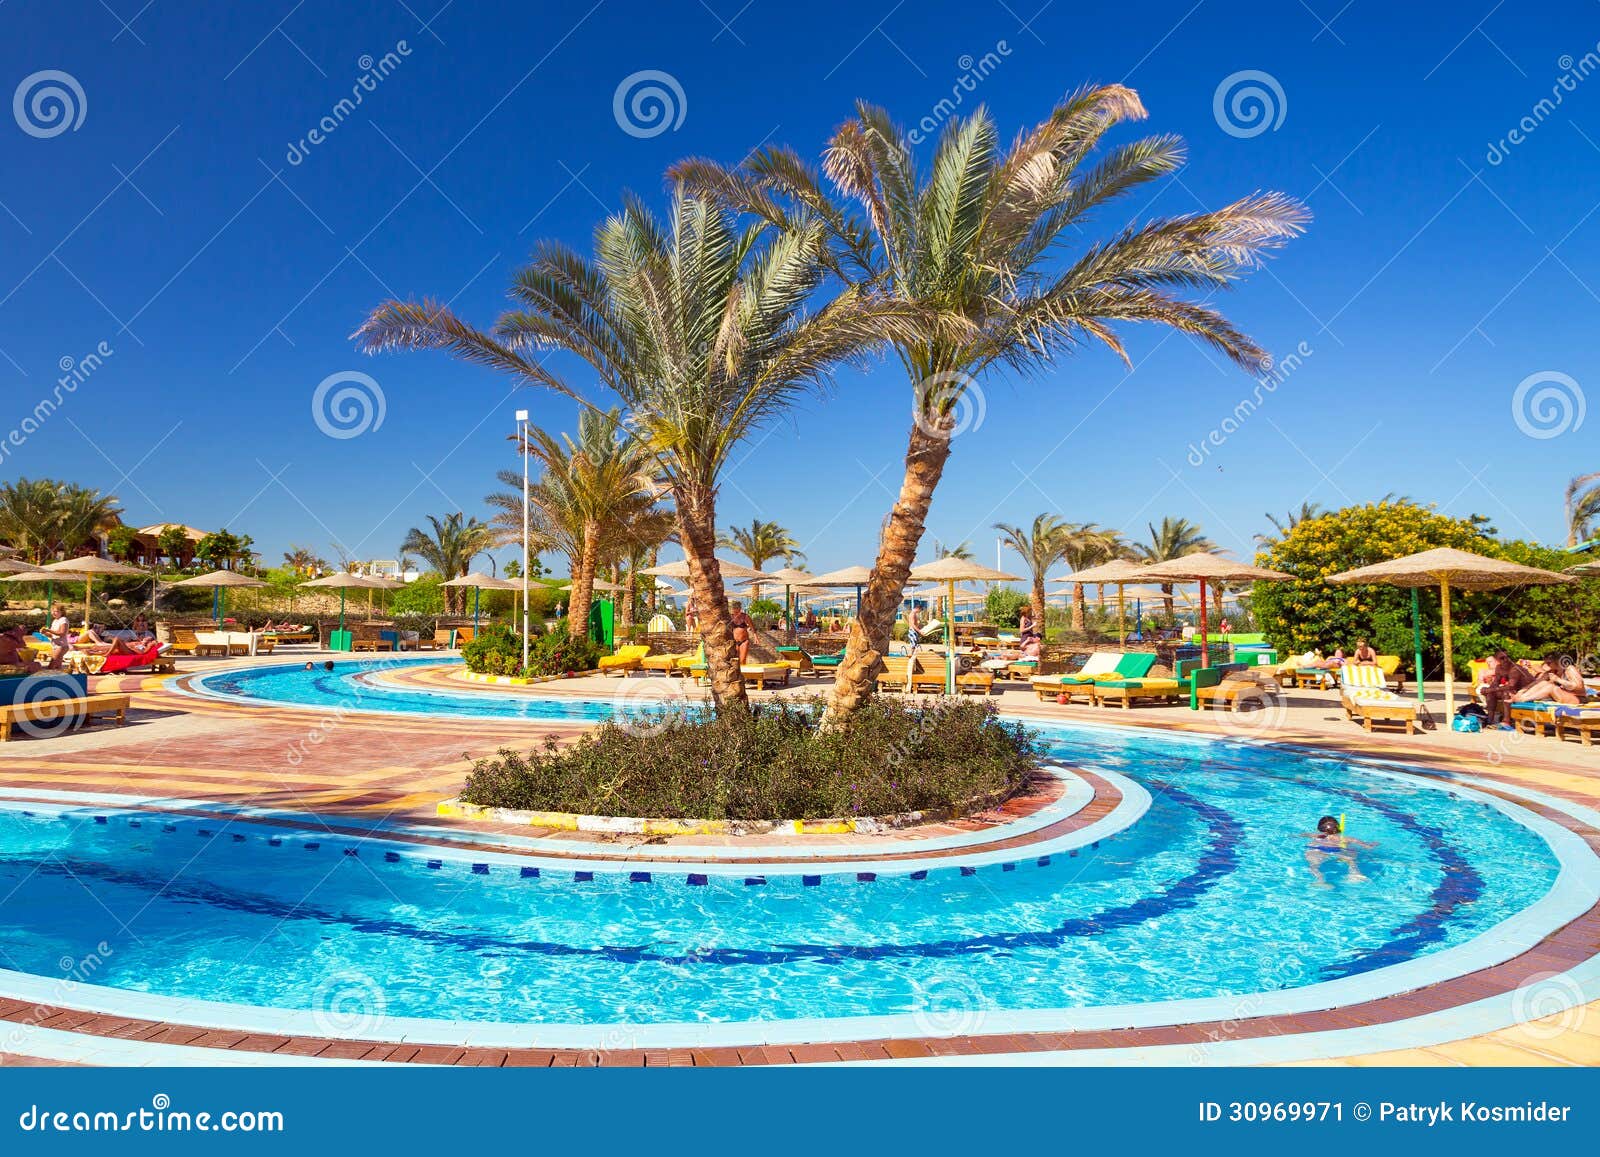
1575	894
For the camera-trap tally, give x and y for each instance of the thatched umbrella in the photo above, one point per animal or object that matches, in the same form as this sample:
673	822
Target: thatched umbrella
680	570
1204	567
11	565
1117	572
85	568
952	571
216	580
480	582
601	585
1445	567
1583	568
789	578
849	576
342	581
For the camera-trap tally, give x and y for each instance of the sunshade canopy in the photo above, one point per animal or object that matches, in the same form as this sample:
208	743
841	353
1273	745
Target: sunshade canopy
1117	570
90	564
1205	567
680	570
343	580
483	582
959	570
1463	569
850	576
220	578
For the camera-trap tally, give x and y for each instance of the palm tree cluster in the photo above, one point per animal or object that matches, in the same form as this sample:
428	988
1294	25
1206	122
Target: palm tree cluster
1583	508
43	519
595	501
708	326
449	545
761	542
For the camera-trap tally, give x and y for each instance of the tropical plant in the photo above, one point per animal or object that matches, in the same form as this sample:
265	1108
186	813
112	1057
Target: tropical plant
1088	545
219	549
45	519
175	545
961	550
1041	547
1175	538
594	501
300	560
449	547
760	542
971	243
1003	607
699	327
1307	511
122	543
1583	508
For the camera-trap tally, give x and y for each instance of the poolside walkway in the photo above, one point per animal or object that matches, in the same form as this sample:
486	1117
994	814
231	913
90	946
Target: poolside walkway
353	771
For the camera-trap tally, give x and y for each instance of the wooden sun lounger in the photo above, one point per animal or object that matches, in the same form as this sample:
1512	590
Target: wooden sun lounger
51	711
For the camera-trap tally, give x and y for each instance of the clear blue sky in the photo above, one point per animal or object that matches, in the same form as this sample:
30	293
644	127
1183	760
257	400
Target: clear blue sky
171	225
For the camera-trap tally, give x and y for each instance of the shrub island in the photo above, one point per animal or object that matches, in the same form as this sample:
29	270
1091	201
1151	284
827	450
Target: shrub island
771	763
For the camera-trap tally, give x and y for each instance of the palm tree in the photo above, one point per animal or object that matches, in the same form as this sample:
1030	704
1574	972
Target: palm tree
1307	511
967	241
1583	507
299	559
1175	538
1041	548
44	519
589	493
961	550
698	326
1087	545
760	542
449	547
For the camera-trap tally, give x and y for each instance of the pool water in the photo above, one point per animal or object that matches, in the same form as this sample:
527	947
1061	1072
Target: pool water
1207	895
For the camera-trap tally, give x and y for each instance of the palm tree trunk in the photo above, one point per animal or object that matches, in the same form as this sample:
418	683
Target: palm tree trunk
1166	600
583	582
1038	604
655	560
625	611
926	456
1079	608
697	525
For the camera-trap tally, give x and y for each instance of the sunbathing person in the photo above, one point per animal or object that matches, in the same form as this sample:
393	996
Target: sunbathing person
1364	655
90	641
1558	681
1503	683
14	651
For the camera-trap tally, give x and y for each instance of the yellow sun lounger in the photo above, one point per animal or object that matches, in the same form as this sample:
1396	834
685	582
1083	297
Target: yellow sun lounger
624	660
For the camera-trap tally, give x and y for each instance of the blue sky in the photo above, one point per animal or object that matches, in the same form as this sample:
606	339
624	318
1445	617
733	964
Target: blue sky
1447	263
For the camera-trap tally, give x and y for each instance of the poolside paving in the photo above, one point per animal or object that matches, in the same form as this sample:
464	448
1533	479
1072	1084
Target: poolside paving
357	770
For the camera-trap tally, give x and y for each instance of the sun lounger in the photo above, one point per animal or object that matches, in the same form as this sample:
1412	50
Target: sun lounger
906	672
1366	699
796	659
150	656
830	661
1534	717
668	665
931	669
766	674
625	659
1133	665
50	713
1101	663
1126	692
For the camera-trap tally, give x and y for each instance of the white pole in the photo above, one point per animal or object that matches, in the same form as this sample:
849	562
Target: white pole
522	430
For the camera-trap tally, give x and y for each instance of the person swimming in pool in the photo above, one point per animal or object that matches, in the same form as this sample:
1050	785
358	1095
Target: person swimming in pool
1328	841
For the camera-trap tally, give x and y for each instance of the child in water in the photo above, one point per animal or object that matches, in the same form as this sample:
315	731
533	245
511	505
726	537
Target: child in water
1328	840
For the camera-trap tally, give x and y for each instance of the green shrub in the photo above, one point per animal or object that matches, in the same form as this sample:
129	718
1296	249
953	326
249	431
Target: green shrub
1004	605
494	651
422	596
557	653
770	764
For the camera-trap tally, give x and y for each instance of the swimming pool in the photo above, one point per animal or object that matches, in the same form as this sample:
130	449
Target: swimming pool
1202	908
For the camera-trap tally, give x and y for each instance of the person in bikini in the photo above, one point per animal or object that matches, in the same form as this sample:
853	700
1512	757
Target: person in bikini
1364	655
741	630
1504	683
1558	681
1330	842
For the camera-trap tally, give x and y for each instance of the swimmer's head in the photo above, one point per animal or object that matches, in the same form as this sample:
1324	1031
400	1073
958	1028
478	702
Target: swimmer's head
328	666
309	665
1328	825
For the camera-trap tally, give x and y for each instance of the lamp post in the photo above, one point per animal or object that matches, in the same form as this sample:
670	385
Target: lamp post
522	434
